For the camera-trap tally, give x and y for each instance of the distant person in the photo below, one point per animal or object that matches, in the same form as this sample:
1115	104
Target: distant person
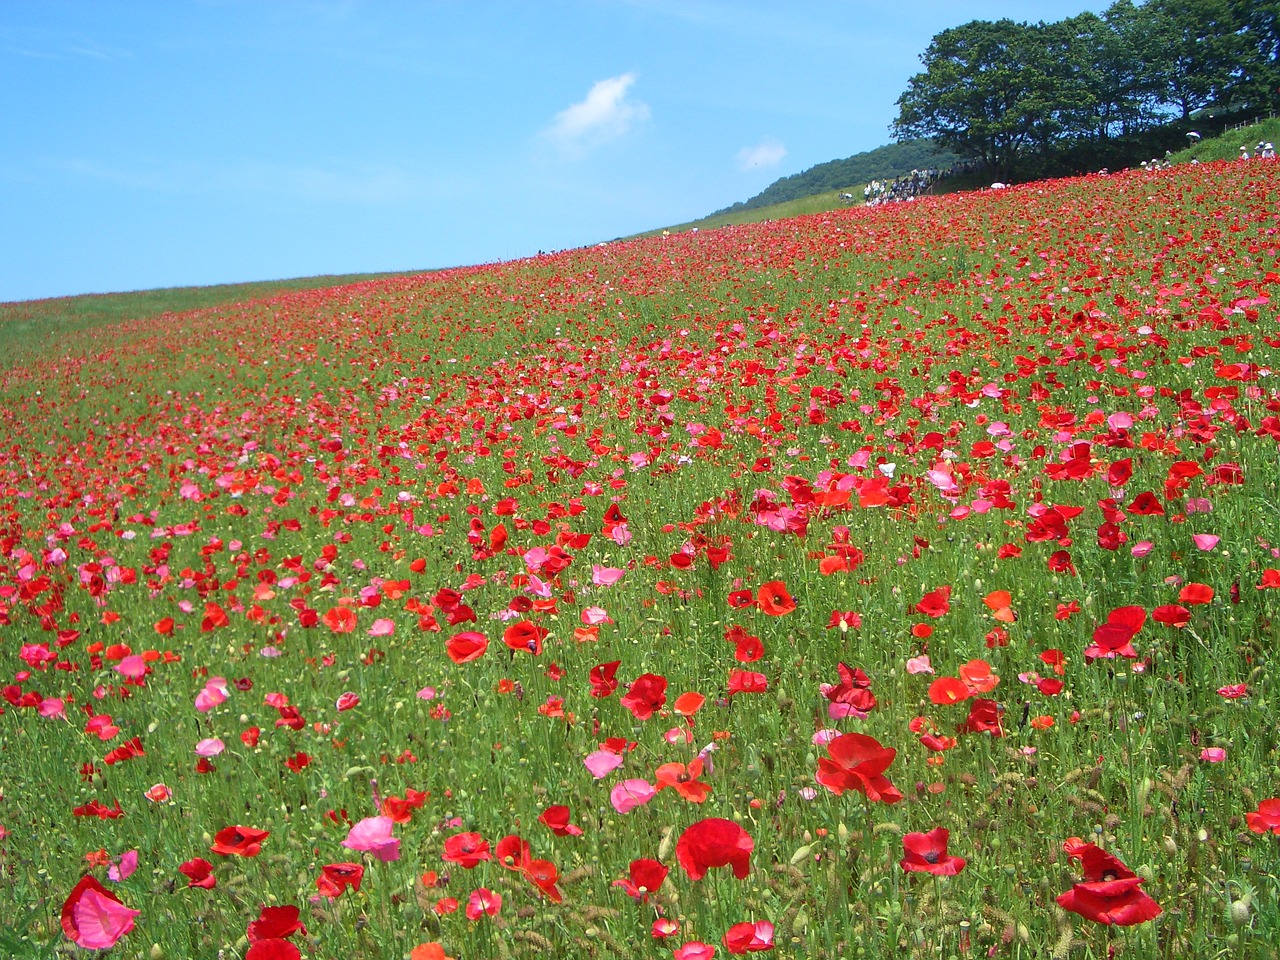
1268	151
1244	153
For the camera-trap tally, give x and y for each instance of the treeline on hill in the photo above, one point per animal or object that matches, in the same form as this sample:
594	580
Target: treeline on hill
882	163
1044	99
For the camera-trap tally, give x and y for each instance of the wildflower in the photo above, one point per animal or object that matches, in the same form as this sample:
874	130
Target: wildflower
1110	892
749	937
857	762
239	841
643	878
927	853
684	780
714	842
93	917
1266	819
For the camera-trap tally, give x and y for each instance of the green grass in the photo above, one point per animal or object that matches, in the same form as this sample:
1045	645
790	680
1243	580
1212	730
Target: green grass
1227	146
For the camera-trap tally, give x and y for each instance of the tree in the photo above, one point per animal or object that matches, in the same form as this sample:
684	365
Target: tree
1258	84
989	90
1201	49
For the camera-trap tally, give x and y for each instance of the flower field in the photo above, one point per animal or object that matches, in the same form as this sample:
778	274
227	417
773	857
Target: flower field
889	582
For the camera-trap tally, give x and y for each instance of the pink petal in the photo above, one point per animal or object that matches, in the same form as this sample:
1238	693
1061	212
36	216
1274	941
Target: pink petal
602	763
101	921
210	747
606	576
382	628
630	794
1204	541
920	664
121	871
132	666
373	835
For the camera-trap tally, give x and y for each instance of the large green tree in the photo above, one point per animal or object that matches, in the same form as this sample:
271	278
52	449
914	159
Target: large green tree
1257	86
1200	50
988	90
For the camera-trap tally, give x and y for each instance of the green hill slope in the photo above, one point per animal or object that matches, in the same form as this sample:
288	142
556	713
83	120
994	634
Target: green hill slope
882	163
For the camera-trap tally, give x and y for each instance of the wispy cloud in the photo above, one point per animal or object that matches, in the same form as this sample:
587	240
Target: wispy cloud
606	114
766	153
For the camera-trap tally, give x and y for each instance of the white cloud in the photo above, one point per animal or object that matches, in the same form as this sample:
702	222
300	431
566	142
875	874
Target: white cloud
766	153
604	115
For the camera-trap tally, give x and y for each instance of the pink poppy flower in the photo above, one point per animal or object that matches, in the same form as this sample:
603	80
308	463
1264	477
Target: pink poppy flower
606	576
483	902
919	664
382	627
602	763
121	871
630	794
210	747
93	918
215	692
373	835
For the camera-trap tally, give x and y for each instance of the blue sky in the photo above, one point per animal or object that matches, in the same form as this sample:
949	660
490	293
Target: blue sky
176	142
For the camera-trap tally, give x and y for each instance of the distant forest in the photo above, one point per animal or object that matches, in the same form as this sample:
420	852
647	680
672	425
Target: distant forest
882	163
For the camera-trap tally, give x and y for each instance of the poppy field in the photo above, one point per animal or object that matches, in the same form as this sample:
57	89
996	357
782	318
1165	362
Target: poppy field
898	581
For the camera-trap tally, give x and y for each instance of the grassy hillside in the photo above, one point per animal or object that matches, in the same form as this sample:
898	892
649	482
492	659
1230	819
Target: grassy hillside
31	324
1227	146
868	584
882	163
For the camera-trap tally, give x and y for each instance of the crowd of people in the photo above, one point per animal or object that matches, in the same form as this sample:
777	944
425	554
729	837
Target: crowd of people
909	186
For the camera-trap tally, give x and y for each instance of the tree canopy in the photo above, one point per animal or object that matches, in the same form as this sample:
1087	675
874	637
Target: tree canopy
1002	91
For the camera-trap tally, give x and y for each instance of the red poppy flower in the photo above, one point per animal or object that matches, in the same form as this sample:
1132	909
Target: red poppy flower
467	850
340	619
1173	615
948	690
239	841
483	902
684	780
927	853
984	717
858	762
335	878
1118	473
1195	593
1266	819
199	873
525	636
275	923
556	819
935	603
644	877
774	599
272	949
467	646
1112	639
1109	893
1146	504
544	875
749	937
714	842
854	689
603	679
747	681
646	695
